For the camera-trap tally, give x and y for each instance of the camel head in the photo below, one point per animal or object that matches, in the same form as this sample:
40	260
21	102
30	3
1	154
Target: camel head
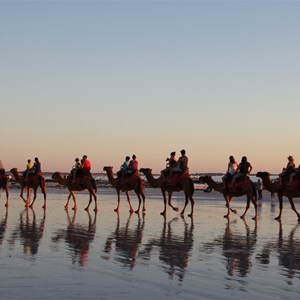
56	175
145	170
263	175
204	179
107	169
13	170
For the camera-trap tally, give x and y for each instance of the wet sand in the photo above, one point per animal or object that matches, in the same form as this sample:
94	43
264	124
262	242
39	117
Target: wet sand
67	255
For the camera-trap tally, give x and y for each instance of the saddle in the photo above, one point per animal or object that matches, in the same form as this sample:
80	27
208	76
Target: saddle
238	186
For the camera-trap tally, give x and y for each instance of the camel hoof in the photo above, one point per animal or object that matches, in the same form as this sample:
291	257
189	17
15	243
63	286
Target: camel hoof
95	209
86	209
176	209
44	206
137	211
182	213
242	217
6	205
234	211
227	216
116	209
163	213
254	218
190	215
277	218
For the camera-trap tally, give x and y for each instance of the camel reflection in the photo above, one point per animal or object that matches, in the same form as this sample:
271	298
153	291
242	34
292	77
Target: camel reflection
3	226
29	232
174	249
287	250
78	237
127	241
236	248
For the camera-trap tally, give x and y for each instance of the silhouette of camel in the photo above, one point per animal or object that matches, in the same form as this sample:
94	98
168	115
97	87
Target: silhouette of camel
33	182
281	191
86	184
187	185
135	183
246	187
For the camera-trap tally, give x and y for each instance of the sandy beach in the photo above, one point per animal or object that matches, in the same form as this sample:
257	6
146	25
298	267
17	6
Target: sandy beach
65	255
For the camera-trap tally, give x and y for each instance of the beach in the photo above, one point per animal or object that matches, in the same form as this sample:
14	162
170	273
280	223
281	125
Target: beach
58	254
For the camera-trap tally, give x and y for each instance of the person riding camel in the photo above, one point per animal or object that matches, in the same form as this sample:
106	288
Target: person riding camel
287	171
132	168
75	169
170	163
124	167
243	170
180	166
86	167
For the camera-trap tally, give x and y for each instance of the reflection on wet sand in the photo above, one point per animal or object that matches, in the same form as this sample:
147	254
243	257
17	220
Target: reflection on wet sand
127	241
3	226
237	248
78	237
28	232
174	250
287	250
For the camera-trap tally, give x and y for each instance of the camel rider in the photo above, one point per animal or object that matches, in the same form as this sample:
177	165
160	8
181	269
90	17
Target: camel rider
75	169
170	163
29	166
86	167
243	170
124	167
132	168
287	171
181	166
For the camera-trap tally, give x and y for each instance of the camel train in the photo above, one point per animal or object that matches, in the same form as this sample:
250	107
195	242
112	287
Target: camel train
243	186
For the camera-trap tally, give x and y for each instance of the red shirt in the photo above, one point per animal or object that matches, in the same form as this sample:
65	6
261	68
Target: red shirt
86	165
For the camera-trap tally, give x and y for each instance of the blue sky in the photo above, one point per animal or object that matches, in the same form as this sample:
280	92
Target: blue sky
113	78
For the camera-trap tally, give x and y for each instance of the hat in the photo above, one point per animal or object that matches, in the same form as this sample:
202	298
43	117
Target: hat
173	153
291	157
182	151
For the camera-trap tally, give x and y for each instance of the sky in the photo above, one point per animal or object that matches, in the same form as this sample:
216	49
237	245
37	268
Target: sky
108	79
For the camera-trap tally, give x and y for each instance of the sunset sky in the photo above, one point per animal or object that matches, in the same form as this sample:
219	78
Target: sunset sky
115	78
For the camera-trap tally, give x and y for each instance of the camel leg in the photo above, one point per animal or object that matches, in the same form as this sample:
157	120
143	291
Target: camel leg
163	213
21	194
144	201
192	207
95	199
170	202
185	204
293	207
45	196
67	204
118	206
246	209
253	199
140	201
34	197
227	199
90	201
131	210
280	208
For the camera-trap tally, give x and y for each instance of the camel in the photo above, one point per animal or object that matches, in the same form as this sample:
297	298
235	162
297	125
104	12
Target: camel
247	188
136	184
187	185
34	182
4	186
72	187
281	191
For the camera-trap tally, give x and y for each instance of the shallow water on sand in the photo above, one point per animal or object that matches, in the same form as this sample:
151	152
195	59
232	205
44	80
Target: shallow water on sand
67	255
